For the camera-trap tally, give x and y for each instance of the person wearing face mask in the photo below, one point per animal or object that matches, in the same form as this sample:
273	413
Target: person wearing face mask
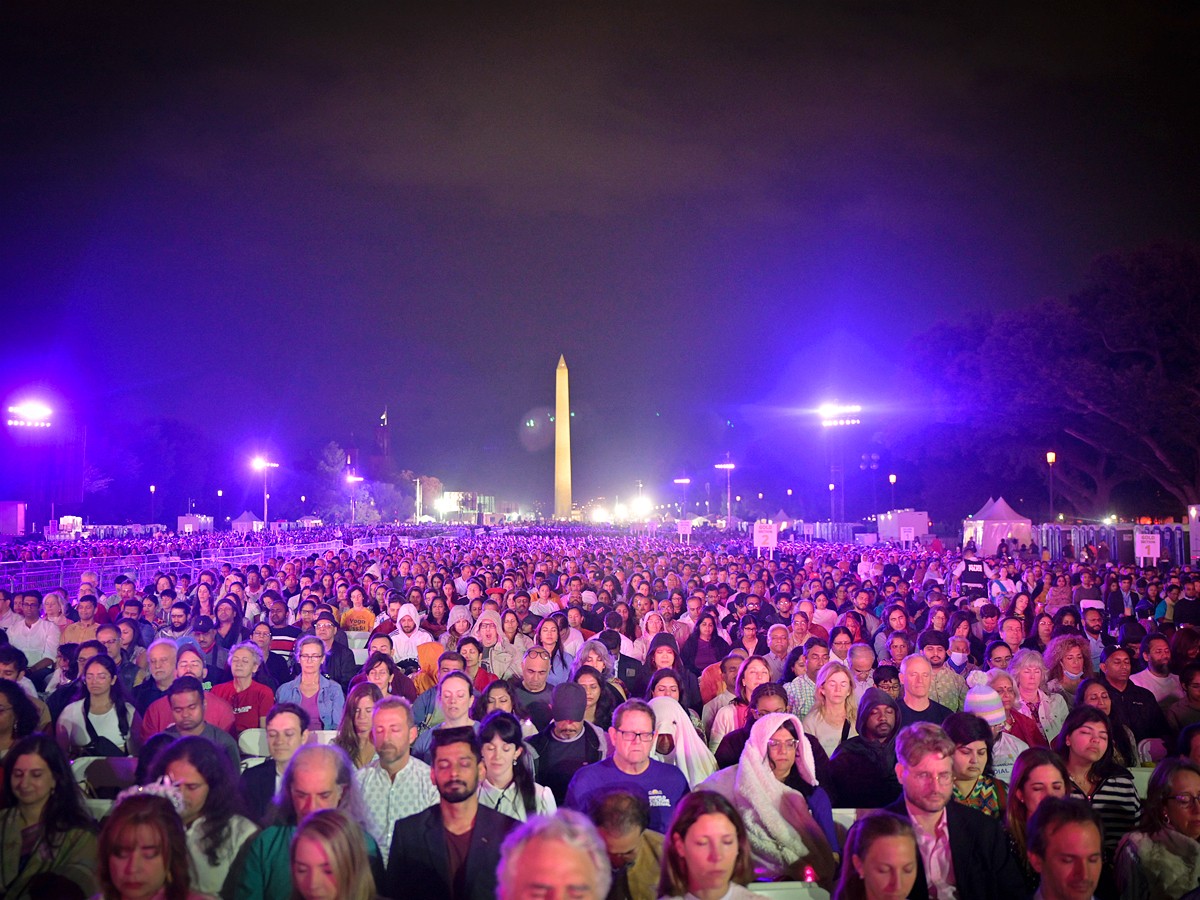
1069	663
959	657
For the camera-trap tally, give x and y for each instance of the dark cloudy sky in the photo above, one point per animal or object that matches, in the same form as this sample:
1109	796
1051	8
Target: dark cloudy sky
274	220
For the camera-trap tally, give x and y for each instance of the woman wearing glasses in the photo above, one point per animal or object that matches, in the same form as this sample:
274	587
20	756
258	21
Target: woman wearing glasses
318	695
788	817
1161	859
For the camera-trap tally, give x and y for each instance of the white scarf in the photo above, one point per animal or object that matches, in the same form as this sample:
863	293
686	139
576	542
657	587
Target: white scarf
691	754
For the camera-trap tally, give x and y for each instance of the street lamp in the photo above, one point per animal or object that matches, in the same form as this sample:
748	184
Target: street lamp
152	490
30	414
351	480
832	514
838	415
728	467
262	464
892	482
1051	459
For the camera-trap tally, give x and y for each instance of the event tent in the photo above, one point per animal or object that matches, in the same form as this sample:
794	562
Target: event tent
993	523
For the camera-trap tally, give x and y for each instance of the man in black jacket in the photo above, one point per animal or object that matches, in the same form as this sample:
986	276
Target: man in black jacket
449	851
862	772
958	847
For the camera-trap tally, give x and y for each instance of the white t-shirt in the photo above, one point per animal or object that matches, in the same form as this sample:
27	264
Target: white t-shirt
71	727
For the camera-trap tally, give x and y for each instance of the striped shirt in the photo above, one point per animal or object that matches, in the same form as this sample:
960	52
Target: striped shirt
1117	803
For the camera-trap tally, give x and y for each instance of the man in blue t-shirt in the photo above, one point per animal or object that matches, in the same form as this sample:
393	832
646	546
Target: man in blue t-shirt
631	768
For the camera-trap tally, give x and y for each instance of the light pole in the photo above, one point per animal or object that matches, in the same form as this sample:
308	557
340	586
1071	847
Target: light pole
838	415
353	480
728	467
892	482
832	502
262	464
1051	459
220	504
152	490
683	486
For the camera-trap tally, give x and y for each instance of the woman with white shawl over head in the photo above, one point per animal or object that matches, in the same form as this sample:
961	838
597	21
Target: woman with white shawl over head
677	744
788	815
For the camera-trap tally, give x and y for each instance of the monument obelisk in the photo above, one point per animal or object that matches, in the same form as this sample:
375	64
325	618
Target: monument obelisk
562	443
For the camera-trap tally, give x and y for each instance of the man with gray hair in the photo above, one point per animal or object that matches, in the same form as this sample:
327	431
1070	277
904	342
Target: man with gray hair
962	853
318	777
554	856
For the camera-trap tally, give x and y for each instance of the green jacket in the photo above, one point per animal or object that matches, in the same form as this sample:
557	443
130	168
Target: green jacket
74	858
268	872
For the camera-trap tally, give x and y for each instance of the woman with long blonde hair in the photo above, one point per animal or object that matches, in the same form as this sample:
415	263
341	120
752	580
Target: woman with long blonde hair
831	720
329	860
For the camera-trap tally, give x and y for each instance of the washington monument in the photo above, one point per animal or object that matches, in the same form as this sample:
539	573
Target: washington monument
562	443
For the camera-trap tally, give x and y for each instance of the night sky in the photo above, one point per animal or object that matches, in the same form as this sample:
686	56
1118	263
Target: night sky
272	221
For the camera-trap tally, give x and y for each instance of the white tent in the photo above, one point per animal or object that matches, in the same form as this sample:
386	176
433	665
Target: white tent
993	523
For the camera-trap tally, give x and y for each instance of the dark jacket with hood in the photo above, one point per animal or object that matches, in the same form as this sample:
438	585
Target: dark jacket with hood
862	772
689	685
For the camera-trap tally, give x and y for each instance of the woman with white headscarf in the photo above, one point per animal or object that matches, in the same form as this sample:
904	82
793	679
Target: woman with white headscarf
677	743
788	816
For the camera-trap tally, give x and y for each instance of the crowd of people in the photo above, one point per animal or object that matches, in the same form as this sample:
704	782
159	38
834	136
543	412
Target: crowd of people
609	715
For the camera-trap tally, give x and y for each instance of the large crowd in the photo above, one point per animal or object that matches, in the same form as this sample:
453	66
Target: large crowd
567	712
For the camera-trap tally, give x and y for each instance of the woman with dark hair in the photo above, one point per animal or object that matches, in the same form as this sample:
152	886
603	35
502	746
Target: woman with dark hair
1086	749
1039	637
1161	859
18	715
202	604
600	703
549	637
960	626
216	831
133	648
881	859
104	722
663	653
508	786
669	683
66	667
229	622
1094	692
748	638
840	640
354	731
1021	607
974	783
47	837
704	646
895	618
143	850
1185	648
499	696
1037	774
437	617
707	851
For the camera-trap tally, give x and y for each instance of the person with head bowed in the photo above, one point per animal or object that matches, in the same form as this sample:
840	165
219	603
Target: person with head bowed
216	831
975	784
1038	773
775	790
449	850
318	777
1161	858
287	731
706	853
1064	849
677	743
47	836
862	772
143	851
959	848
553	856
880	859
354	731
328	862
634	852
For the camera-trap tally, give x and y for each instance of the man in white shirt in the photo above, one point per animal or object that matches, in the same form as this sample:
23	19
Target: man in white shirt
8	617
395	784
1156	677
36	637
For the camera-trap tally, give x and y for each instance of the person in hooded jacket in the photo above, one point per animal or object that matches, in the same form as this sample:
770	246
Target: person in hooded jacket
658	657
862	772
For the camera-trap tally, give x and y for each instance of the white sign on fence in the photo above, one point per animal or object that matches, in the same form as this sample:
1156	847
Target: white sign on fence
908	534
684	528
1146	545
766	535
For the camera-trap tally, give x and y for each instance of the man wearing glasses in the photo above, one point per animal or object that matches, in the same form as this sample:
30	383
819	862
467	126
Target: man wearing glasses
631	768
962	853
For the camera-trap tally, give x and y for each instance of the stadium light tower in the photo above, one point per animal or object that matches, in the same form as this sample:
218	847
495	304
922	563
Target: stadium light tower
264	465
838	415
30	414
728	467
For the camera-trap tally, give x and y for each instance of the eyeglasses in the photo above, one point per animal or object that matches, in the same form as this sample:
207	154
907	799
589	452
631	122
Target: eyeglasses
1188	800
782	745
537	653
311	656
942	778
643	737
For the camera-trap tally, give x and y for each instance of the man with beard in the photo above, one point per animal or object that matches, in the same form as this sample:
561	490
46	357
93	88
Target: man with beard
961	851
395	784
450	850
408	637
1157	677
862	772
